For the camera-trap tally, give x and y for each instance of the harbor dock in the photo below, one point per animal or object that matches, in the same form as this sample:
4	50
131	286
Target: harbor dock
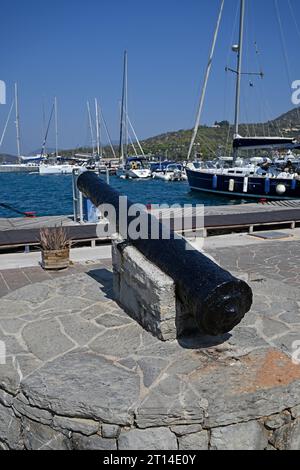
81	373
18	169
21	232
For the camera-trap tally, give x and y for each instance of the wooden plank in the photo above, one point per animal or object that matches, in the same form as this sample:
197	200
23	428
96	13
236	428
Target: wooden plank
30	236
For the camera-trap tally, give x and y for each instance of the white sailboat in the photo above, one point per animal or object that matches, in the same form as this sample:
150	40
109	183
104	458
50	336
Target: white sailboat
247	180
25	164
134	167
57	167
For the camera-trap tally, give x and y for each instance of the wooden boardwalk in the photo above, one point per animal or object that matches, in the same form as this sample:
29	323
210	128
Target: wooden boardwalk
20	232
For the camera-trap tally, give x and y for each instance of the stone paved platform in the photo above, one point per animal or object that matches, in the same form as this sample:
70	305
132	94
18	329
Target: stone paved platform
81	374
12	279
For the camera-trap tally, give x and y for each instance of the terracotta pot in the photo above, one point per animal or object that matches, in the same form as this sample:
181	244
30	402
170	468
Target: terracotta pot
56	259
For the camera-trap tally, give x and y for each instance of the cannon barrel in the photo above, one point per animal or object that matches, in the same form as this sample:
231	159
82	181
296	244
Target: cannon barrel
217	300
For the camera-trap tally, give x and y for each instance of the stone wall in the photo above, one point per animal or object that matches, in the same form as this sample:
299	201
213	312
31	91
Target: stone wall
23	426
81	374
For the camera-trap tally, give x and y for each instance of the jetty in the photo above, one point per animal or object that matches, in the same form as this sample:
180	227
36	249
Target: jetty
24	231
18	168
93	359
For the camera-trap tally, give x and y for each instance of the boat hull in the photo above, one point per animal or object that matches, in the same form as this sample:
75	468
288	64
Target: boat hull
253	187
57	169
19	168
140	174
166	176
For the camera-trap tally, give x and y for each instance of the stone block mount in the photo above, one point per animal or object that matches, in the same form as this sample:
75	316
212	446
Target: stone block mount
148	295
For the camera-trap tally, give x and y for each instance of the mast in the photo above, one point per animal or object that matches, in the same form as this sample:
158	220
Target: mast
107	133
90	125
56	127
44	121
6	123
17	122
47	131
239	50
123	112
97	127
126	106
136	137
208	69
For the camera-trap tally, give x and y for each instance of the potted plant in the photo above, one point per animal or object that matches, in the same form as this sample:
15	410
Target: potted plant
55	245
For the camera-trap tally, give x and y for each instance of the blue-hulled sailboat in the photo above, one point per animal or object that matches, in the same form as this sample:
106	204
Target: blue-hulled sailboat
245	180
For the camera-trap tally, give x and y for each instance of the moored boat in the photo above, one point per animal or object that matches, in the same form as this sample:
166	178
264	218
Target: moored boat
136	167
263	178
169	172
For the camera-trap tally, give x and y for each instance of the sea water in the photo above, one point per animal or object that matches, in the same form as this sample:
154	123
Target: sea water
52	194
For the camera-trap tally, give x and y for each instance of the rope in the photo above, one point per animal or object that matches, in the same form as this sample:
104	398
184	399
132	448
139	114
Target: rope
205	141
228	93
207	74
283	43
47	131
13	209
107	133
228	141
294	18
6	123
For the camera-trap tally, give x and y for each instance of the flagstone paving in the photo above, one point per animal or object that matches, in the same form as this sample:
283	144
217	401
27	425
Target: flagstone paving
80	373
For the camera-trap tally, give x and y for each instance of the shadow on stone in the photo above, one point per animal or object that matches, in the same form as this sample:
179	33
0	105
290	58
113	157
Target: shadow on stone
105	278
186	336
202	342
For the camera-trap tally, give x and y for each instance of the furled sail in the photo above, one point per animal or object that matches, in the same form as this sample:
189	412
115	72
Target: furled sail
263	142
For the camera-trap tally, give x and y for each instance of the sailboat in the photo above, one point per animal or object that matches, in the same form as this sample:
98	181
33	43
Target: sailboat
249	180
57	166
25	164
134	167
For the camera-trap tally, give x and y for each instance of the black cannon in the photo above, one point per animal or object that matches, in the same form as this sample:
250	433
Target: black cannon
217	300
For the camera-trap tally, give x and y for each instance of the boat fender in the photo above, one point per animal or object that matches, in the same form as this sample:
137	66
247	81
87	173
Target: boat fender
231	185
215	182
267	185
294	184
245	186
280	189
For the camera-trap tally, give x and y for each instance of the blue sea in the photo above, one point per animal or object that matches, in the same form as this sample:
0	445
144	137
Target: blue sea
52	194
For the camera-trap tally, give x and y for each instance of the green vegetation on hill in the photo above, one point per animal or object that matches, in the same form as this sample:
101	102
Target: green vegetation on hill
5	158
210	140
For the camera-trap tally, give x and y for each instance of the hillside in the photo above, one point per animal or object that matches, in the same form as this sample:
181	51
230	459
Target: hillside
210	140
6	158
291	119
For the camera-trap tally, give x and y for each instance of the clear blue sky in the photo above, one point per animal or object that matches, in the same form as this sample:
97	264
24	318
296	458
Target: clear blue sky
73	49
